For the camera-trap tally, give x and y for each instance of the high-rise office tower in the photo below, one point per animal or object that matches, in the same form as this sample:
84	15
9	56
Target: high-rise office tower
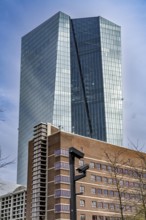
71	77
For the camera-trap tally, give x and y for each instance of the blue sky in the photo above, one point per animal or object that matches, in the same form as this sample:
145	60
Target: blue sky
17	17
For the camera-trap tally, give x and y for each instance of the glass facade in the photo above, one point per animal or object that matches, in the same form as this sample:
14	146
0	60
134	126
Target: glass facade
45	91
70	77
88	113
112	80
96	79
62	90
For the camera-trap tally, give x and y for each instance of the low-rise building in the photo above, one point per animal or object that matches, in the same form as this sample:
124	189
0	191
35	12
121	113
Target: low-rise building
13	204
114	172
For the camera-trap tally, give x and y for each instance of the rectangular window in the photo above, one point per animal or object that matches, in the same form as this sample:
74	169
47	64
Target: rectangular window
131	184
115	181
124	208
110	180
62	179
125	171
82	203
61	165
105	180
120	170
122	194
81	162
94	204
137	185
127	196
98	178
62	152
98	166
130	172
117	207
135	174
105	192
105	205
93	177
109	168
82	217
82	189
93	190
99	205
103	167
92	165
61	208
111	206
121	182
99	191
111	193
62	193
127	183
94	217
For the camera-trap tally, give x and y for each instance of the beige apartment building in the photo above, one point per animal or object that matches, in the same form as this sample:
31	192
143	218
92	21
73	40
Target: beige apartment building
113	171
13	204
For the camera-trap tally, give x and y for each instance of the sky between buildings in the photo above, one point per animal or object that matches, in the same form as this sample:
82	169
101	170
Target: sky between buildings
18	17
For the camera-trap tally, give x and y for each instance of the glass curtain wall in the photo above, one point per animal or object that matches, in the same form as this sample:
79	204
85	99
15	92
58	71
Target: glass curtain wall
88	116
45	83
112	80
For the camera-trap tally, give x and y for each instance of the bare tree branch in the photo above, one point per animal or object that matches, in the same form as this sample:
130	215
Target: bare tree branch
4	161
140	175
132	196
116	160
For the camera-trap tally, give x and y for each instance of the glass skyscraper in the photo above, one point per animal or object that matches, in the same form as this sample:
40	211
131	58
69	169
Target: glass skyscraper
96	79
70	77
